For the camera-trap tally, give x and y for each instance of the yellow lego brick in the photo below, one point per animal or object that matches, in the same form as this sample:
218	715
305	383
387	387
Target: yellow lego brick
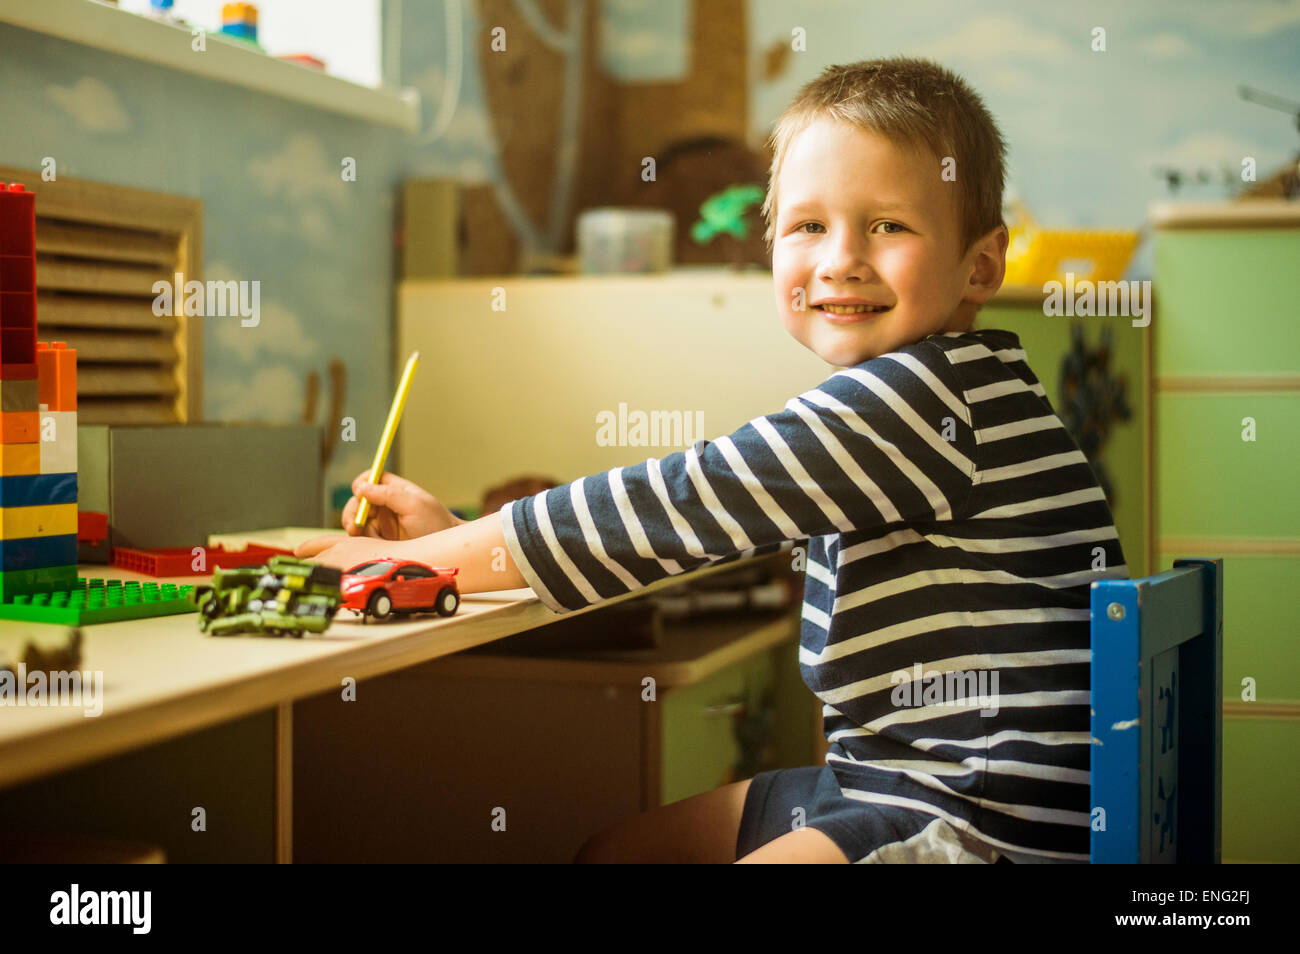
47	520
18	459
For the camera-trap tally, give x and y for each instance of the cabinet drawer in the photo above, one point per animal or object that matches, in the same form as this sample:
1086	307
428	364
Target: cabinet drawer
1226	302
1211	483
1260	823
700	749
1261	603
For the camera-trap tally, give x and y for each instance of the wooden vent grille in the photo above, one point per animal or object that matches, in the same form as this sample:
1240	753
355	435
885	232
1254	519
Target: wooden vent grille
99	251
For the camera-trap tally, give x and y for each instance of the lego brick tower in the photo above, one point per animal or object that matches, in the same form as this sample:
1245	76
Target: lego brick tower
38	422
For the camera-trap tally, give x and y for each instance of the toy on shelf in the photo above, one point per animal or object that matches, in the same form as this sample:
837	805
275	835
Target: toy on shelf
381	588
724	213
180	561
240	21
1036	255
304	59
162	10
284	597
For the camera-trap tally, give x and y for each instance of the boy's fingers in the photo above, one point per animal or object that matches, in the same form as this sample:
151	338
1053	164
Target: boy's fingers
379	495
315	545
386	479
350	517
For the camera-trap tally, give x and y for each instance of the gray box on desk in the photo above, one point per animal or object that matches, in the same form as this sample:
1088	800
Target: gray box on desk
172	485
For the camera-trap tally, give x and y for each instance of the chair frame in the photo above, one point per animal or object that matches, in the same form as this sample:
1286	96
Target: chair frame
1157	716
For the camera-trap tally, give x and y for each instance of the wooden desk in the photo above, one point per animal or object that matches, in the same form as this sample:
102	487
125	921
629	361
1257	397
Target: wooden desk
163	679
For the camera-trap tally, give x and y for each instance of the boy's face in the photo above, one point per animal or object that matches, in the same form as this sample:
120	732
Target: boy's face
861	221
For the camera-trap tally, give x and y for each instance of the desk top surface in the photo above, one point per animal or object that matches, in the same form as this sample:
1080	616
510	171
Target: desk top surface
162	677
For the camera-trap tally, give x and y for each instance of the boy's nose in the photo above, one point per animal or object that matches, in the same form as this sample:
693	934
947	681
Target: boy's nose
845	261
844	257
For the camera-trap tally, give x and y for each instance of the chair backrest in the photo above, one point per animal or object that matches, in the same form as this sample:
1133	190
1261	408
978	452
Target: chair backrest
1157	714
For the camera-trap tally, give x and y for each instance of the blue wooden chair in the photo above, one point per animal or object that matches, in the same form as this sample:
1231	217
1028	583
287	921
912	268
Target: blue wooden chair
1157	704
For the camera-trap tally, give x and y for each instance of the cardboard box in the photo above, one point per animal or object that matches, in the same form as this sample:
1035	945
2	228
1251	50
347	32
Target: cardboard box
173	485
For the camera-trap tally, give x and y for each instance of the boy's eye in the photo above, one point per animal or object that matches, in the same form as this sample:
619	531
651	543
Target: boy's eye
816	228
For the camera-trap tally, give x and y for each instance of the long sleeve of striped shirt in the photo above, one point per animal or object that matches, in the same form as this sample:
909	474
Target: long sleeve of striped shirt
887	442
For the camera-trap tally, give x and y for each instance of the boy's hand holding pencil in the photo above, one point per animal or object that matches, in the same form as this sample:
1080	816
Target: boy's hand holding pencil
400	512
397	519
399	509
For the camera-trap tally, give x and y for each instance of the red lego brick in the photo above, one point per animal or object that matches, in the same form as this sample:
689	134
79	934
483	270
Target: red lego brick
58	375
179	561
18	372
17	220
92	526
18	312
17	275
18	345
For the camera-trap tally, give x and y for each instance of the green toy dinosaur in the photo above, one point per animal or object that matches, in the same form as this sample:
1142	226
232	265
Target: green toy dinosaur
725	212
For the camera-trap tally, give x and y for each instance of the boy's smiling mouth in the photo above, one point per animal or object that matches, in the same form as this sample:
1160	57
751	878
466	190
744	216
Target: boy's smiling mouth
847	311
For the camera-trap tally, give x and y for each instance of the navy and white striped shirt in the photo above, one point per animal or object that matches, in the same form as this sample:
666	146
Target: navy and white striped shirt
952	528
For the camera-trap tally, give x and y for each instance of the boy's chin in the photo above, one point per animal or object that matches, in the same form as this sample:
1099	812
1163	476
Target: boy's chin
842	356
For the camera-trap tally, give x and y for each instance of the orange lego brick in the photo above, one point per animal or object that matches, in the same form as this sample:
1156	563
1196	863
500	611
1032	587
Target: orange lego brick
20	427
57	366
19	459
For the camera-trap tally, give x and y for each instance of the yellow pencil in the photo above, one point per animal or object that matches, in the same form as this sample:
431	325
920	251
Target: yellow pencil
390	429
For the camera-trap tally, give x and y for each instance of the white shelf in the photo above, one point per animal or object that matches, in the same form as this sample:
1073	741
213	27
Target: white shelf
105	27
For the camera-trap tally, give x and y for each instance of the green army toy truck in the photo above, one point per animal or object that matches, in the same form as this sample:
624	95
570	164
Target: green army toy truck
285	597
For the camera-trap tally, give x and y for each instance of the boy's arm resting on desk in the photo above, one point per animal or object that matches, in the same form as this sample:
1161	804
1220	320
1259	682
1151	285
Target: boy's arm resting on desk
477	547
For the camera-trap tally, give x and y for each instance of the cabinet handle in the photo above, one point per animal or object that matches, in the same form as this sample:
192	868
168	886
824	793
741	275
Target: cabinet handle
730	709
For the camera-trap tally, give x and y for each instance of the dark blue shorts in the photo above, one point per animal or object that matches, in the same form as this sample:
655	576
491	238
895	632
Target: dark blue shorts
863	831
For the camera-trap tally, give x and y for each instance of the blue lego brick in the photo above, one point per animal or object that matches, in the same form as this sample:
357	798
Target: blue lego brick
245	31
32	553
35	490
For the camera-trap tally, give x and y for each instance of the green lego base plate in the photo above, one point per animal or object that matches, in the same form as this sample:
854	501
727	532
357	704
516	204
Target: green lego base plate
100	601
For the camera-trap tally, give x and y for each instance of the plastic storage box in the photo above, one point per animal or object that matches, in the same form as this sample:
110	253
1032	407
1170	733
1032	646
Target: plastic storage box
612	241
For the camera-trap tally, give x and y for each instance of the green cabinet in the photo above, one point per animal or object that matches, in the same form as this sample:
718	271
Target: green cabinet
1226	414
736	723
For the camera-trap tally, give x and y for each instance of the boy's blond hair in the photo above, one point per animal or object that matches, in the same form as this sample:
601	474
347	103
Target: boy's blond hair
914	103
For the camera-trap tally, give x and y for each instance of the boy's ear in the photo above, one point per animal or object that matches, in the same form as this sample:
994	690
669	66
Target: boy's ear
988	263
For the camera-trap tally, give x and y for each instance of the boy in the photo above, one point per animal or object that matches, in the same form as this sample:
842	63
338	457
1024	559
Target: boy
952	526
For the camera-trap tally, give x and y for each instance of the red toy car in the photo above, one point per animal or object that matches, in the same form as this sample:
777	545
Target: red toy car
381	588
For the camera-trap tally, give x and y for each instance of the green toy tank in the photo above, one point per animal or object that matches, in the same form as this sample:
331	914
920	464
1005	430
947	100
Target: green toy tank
285	597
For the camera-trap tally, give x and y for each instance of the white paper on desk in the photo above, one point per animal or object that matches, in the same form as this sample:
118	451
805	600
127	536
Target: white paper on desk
284	538
502	596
